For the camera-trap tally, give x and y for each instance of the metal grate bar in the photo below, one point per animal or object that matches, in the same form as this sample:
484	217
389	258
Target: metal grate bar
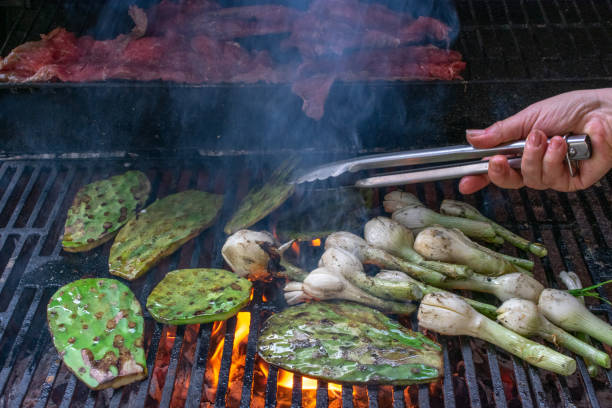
11	31
586	382
470	372
171	373
42	197
322	397
25	194
372	396
296	392
497	385
226	361
194	392
347	396
19	339
138	398
48	385
28	31
270	401
398	397
449	393
11	187
251	351
69	392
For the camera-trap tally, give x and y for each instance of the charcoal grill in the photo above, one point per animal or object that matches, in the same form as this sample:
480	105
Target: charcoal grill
517	52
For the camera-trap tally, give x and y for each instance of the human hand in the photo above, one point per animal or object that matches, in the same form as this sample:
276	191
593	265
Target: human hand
543	164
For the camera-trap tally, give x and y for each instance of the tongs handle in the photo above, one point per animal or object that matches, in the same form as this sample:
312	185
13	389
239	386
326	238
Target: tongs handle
576	144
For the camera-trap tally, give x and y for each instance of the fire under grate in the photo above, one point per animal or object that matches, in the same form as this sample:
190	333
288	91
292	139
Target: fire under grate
216	364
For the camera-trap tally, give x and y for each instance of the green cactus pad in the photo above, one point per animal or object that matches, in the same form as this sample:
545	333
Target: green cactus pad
348	343
188	296
99	209
260	202
97	328
161	229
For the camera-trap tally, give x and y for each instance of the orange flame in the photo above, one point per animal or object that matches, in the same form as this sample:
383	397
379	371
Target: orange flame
316	242
296	248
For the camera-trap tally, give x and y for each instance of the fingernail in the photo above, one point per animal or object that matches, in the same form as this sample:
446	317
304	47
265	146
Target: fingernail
535	139
474	132
555	143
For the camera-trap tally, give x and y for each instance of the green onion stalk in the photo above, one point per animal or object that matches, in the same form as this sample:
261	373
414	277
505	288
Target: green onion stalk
368	254
394	238
572	281
417	217
460	209
450	315
397	276
523	317
451	245
569	313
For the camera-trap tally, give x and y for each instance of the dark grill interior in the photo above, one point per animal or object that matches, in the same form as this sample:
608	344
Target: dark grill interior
35	195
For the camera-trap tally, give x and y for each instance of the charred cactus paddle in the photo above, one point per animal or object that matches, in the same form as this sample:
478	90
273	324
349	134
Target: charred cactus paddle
260	202
460	209
450	315
256	255
572	281
97	328
394	238
100	209
417	217
451	245
371	255
348	343
161	229
571	314
523	317
191	296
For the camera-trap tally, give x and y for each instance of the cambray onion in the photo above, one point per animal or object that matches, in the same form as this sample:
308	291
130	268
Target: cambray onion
394	238
460	209
450	315
451	245
396	276
395	200
350	267
415	216
524	317
325	284
371	255
512	285
567	312
572	281
256	255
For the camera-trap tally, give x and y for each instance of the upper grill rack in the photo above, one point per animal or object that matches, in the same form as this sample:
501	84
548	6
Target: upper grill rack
500	40
35	195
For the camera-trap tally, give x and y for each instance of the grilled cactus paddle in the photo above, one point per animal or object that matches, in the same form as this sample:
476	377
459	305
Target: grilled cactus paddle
347	342
161	229
262	201
97	328
99	209
188	296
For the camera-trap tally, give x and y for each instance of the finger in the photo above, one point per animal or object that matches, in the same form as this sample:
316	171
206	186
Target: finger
502	175
531	163
554	169
471	184
513	128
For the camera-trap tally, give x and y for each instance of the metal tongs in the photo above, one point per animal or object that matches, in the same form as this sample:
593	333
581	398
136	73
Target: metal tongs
578	148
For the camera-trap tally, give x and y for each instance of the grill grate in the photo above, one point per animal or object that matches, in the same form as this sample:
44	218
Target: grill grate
35	195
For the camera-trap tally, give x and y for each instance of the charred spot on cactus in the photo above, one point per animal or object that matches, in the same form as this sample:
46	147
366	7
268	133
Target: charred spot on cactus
107	225
123	210
111	324
73	316
71	340
131	325
122	218
96	339
82	370
90	240
118	341
199	312
99	315
85	326
139	342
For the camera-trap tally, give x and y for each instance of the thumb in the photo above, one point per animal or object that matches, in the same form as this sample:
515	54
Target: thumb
515	127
